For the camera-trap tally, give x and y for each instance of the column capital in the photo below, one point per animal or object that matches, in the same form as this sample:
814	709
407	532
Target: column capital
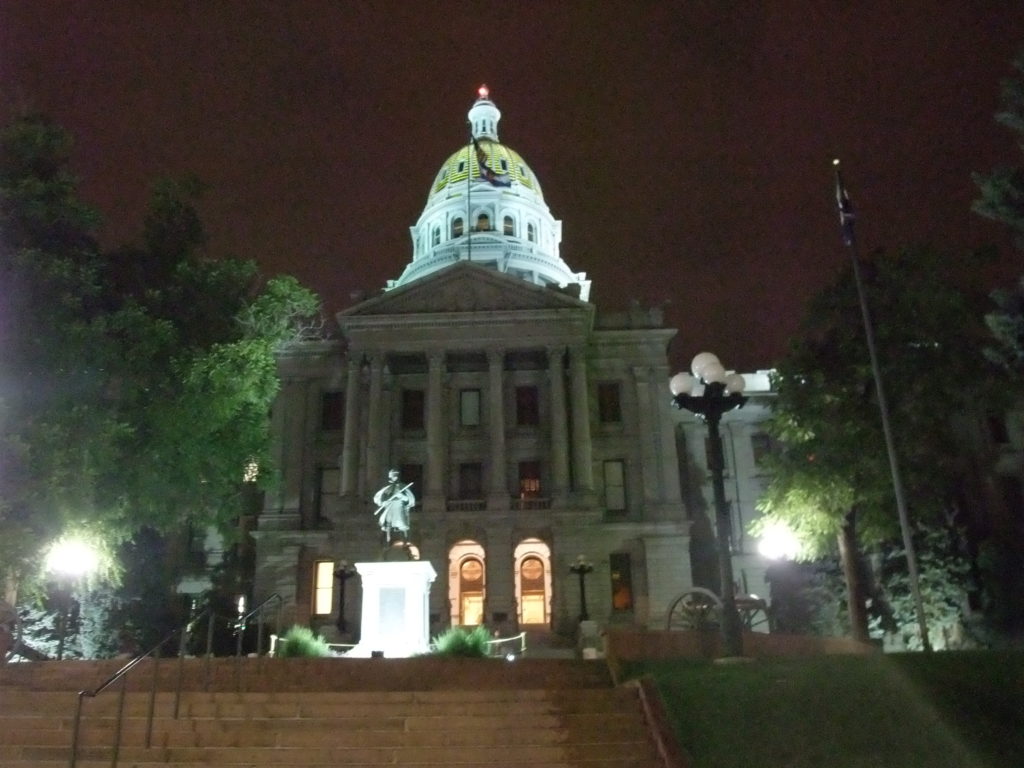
555	352
496	355
435	357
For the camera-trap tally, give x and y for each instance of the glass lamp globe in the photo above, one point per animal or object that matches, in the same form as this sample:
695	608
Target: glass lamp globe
700	362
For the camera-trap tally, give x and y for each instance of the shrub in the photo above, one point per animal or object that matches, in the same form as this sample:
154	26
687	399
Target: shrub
300	642
459	641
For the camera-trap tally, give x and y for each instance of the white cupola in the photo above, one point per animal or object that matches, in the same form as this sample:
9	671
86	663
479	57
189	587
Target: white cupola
486	206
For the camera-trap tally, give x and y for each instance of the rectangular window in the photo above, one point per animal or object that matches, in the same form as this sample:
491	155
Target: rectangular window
471	481
412	409
609	405
621	570
469	407
323	587
763	446
328	488
527	406
529	479
332	411
615	486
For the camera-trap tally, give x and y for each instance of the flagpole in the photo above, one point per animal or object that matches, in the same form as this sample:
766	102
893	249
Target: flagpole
846	221
469	193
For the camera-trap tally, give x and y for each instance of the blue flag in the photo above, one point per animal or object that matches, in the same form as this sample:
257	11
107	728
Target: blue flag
486	172
846	214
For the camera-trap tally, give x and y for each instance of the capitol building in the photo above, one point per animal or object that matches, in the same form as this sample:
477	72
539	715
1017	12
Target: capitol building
535	428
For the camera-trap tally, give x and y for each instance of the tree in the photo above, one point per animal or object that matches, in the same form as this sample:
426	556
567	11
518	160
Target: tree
1002	191
830	479
136	384
56	431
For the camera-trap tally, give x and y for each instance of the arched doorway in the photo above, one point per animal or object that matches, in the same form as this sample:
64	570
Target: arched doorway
533	582
467	583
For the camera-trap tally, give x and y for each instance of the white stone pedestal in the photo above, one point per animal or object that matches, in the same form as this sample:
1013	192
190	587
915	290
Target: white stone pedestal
396	613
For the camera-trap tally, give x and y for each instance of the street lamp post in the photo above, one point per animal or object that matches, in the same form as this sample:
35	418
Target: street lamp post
344	573
709	393
581	568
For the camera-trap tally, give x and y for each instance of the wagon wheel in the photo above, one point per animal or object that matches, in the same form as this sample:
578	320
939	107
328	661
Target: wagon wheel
697	608
753	613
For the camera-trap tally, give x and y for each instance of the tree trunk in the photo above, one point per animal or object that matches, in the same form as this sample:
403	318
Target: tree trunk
849	556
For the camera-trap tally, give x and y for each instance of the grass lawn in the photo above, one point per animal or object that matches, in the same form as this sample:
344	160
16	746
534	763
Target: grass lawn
942	710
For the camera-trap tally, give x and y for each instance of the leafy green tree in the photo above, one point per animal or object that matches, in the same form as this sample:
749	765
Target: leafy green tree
57	428
136	384
1002	191
830	479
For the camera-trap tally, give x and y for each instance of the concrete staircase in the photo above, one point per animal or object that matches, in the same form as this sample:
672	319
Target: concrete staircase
317	713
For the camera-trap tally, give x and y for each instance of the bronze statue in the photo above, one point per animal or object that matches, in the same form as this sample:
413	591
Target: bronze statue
394	501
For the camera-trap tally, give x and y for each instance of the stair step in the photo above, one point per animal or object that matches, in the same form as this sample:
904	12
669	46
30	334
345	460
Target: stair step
318	713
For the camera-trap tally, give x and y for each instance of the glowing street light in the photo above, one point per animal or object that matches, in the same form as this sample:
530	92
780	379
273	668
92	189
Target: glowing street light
778	542
709	392
69	559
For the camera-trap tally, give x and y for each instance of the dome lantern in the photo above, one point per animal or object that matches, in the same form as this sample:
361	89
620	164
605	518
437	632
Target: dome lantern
484	116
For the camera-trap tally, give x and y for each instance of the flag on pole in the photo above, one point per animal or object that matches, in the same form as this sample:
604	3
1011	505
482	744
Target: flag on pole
846	215
486	172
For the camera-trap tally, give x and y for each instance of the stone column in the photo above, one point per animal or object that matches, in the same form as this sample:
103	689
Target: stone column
434	496
559	428
350	450
671	495
374	427
649	465
498	497
582	465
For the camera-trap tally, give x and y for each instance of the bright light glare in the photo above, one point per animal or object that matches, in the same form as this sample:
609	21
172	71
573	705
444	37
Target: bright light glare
778	542
72	557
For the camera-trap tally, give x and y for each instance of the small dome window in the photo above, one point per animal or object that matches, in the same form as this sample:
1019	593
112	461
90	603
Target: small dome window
457	227
436	238
508	226
531	233
483	223
504	165
462	166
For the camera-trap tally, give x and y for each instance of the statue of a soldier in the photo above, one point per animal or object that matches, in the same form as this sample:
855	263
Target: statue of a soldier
393	502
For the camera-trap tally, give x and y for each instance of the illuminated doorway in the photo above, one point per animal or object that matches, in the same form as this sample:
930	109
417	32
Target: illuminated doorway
533	582
467	583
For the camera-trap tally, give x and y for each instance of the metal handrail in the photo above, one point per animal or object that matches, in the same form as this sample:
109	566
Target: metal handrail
240	626
521	637
122	676
242	621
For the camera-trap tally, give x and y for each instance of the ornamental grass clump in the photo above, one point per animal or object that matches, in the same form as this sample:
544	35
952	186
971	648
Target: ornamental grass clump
459	641
300	642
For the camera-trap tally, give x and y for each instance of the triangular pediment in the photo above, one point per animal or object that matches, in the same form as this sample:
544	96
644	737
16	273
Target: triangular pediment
465	287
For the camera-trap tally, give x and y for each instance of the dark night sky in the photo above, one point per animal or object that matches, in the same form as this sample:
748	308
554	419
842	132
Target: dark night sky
685	145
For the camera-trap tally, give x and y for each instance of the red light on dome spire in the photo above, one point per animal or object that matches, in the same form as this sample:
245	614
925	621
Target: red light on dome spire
483	92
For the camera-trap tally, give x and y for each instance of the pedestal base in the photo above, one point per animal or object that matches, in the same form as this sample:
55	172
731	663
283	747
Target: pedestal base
396	613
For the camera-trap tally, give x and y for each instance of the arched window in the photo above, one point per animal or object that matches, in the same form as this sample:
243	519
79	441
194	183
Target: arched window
483	223
457	227
471	592
531	233
508	226
436	238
